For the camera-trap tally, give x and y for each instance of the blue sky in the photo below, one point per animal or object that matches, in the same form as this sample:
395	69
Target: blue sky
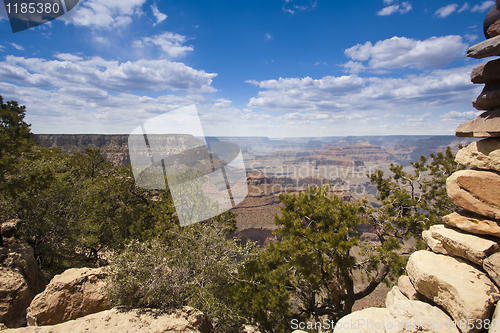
276	68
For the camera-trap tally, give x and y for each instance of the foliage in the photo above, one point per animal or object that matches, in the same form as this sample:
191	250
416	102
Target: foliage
309	274
198	268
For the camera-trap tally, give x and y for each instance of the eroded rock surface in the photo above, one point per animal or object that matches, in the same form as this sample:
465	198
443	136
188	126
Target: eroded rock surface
484	154
473	223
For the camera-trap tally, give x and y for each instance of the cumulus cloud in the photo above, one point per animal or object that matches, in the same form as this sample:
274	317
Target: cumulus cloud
402	8
483	6
67	57
400	52
445	11
160	17
336	94
104	14
97	73
353	67
170	43
459	117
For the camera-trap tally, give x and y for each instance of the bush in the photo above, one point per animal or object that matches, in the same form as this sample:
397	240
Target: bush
197	267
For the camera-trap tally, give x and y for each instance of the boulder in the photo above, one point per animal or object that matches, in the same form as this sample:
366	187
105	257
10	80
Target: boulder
487	48
20	280
370	320
492	266
434	244
473	223
494	29
462	290
486	73
120	320
484	154
404	315
476	191
489	98
467	246
485	125
393	296
407	288
75	293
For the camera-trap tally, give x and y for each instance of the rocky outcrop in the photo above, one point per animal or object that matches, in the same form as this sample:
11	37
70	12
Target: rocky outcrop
119	320
365	321
75	293
20	281
476	191
460	272
460	288
484	154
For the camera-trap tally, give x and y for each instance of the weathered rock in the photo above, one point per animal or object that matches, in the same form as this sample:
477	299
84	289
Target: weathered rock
492	266
467	246
486	73
9	228
473	223
75	293
416	316
494	29
476	191
434	244
120	320
370	320
20	281
394	295
490	26
484	154
485	125
462	290
495	321
489	98
487	48
407	288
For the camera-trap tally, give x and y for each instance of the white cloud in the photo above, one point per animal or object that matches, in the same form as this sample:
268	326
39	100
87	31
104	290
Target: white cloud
67	57
160	17
2	48
471	37
18	47
404	8
348	93
353	67
389	10
400	52
169	42
458	117
269	36
104	14
483	7
97	73
288	7
446	10
465	6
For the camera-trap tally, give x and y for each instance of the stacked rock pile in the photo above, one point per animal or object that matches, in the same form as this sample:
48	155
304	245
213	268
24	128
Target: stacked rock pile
454	285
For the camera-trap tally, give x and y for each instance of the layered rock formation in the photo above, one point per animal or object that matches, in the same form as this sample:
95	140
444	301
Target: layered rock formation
458	277
20	278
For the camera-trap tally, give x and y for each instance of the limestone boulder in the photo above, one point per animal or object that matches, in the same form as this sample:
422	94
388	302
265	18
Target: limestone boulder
495	321
484	154
473	223
489	98
492	266
461	289
476	191
463	245
434	244
393	296
370	320
487	48
404	315
485	125
486	73
122	320
407	288
20	280
75	293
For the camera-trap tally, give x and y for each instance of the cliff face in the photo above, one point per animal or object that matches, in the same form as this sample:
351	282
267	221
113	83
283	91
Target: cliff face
114	147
